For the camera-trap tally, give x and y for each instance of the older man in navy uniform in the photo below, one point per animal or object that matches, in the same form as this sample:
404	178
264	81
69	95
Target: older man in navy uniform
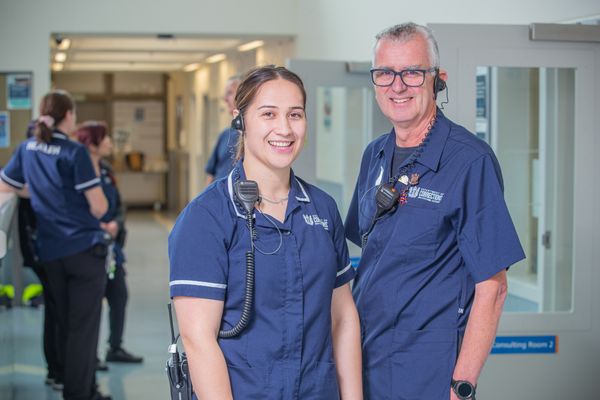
436	235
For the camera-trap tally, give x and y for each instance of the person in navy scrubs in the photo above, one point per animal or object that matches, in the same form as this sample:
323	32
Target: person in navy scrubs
58	175
302	340
94	136
431	281
222	157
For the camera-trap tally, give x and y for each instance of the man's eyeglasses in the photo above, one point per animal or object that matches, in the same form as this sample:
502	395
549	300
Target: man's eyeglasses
410	77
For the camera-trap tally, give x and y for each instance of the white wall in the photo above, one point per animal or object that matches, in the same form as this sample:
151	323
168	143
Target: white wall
345	29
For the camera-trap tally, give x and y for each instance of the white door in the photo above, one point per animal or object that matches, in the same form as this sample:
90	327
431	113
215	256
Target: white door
536	102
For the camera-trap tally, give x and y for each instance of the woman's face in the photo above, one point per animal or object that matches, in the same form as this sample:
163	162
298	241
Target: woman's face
105	147
275	124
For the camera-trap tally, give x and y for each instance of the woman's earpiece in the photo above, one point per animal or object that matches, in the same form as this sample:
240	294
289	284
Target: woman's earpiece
238	122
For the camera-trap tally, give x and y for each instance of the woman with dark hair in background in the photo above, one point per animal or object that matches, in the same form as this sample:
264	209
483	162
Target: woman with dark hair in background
302	338
94	136
58	175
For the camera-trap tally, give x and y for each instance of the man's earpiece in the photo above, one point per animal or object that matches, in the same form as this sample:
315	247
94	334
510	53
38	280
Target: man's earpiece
438	84
238	122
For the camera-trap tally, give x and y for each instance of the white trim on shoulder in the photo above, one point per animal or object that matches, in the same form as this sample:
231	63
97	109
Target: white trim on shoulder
87	184
198	283
342	272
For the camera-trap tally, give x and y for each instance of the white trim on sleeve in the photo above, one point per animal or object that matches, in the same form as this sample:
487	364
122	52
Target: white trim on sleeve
342	272
87	184
12	181
198	283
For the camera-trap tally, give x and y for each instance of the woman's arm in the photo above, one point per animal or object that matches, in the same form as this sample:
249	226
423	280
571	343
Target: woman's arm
97	201
199	321
346	343
4	187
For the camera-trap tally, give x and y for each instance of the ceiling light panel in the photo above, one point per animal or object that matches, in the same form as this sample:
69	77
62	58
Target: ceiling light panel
152	43
138	56
251	45
123	66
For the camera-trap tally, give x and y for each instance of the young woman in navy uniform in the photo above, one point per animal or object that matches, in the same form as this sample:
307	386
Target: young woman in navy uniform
94	136
68	202
302	338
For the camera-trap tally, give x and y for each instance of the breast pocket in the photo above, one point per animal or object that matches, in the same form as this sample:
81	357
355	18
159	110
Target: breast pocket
420	225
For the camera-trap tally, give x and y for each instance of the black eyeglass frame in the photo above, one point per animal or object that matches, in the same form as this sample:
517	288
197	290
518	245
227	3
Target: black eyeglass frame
401	75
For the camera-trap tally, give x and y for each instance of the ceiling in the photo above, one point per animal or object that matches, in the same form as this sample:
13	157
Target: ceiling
138	53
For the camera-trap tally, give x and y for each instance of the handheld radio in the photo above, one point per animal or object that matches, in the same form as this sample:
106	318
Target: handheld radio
177	368
386	199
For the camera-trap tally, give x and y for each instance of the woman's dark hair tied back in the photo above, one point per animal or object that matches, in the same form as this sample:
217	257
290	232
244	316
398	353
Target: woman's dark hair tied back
53	110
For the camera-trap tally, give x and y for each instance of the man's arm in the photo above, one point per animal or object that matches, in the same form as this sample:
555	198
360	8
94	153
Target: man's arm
481	328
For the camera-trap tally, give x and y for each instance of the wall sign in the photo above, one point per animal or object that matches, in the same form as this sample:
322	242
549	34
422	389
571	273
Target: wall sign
525	345
4	129
18	91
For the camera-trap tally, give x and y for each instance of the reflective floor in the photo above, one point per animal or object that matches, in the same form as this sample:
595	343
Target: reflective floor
22	369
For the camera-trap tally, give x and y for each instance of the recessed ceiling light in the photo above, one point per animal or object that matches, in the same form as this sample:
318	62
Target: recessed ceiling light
191	67
57	67
64	44
251	45
216	58
60	57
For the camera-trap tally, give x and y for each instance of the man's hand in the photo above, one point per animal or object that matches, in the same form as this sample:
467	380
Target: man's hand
111	227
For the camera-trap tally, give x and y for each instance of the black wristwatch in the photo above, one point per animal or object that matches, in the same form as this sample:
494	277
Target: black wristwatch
464	390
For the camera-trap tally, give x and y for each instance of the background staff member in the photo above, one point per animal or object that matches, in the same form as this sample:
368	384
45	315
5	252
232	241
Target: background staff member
303	340
222	158
432	271
94	136
68	202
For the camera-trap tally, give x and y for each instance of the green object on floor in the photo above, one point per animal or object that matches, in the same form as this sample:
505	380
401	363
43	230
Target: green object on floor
32	291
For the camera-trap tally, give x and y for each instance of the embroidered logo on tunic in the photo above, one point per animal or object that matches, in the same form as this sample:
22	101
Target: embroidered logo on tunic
429	195
316	220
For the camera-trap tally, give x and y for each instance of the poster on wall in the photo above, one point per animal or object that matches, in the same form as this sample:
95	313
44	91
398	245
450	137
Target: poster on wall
18	91
4	129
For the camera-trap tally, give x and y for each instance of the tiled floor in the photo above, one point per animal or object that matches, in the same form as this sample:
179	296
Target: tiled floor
146	330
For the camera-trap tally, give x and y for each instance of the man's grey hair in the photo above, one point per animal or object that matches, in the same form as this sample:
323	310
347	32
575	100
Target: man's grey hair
407	31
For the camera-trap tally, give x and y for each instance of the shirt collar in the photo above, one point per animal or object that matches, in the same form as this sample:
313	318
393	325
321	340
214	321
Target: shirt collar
298	191
59	135
432	152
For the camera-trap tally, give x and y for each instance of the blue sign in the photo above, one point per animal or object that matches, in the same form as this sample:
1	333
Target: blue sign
525	345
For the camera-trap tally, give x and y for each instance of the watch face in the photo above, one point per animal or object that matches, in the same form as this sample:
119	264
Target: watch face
464	390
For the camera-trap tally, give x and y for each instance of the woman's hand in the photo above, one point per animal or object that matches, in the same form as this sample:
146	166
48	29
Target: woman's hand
111	227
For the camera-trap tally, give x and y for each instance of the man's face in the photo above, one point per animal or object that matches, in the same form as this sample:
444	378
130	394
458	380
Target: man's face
229	95
404	106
